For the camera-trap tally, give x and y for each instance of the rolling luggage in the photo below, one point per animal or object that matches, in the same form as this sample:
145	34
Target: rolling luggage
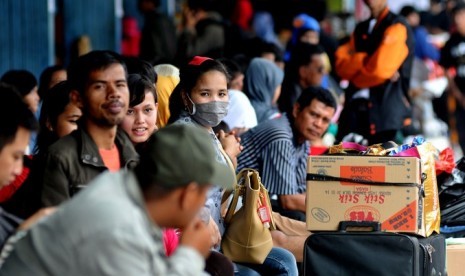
372	253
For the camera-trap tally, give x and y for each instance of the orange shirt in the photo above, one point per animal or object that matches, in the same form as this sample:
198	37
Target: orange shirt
111	158
367	71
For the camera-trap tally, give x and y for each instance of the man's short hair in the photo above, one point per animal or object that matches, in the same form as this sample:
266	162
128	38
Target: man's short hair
407	10
319	93
301	55
14	113
460	6
139	66
80	70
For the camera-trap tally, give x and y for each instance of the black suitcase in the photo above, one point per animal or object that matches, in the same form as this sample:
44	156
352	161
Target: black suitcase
372	253
433	255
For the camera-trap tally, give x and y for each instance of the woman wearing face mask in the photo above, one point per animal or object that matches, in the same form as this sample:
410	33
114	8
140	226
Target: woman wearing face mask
201	99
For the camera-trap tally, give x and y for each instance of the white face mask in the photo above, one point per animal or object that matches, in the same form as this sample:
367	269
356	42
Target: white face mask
208	114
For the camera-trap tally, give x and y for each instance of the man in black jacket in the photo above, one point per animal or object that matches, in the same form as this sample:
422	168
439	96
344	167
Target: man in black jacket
100	89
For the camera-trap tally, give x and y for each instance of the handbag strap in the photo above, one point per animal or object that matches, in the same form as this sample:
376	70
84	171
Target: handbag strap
239	190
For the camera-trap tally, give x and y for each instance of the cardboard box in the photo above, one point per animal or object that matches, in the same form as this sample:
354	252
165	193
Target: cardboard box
454	260
397	208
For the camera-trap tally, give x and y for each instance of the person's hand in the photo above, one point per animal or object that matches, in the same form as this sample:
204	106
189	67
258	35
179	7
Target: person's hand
214	232
239	130
197	236
231	144
36	217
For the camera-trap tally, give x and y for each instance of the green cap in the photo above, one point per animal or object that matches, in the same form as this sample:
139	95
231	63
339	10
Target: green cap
179	154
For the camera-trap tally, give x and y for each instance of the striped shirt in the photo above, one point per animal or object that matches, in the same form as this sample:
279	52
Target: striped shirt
272	149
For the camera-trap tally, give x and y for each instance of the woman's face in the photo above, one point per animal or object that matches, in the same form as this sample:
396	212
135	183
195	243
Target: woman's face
212	86
57	76
140	120
67	120
32	100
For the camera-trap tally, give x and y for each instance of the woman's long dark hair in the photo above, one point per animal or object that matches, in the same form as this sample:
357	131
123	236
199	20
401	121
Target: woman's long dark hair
189	76
54	103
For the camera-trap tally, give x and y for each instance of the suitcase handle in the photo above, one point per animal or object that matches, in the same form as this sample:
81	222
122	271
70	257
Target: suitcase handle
371	226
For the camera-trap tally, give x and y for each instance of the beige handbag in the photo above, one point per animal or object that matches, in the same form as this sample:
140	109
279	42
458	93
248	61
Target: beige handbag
248	238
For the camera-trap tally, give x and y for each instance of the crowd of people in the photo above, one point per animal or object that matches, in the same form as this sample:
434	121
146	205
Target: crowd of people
117	165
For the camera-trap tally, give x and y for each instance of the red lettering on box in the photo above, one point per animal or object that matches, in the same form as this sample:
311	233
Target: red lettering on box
403	220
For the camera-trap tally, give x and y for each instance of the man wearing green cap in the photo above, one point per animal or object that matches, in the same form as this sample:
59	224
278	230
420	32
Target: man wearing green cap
113	227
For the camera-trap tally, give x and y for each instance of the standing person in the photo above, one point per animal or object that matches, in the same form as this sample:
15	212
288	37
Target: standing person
377	61
202	31
114	226
158	38
279	148
262	85
201	100
99	87
304	69
453	57
423	48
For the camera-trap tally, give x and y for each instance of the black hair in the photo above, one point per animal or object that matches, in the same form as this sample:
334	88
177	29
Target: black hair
14	113
139	66
156	3
233	68
189	76
137	85
54	104
407	10
45	79
81	68
316	93
23	80
268	47
459	6
206	5
301	55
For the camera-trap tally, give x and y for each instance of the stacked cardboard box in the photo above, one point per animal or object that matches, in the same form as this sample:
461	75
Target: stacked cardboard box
394	198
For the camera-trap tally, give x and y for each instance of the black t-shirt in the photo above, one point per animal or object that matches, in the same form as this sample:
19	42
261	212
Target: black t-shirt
453	56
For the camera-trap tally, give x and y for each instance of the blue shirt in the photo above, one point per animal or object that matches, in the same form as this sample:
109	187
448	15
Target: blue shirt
272	149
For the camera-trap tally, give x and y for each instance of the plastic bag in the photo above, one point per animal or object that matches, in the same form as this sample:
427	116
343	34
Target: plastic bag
428	154
445	162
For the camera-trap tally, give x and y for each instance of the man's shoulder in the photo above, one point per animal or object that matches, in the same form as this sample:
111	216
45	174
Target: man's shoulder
274	129
111	198
65	144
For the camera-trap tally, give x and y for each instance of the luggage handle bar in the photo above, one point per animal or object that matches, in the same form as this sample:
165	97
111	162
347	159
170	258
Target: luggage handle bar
359	226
